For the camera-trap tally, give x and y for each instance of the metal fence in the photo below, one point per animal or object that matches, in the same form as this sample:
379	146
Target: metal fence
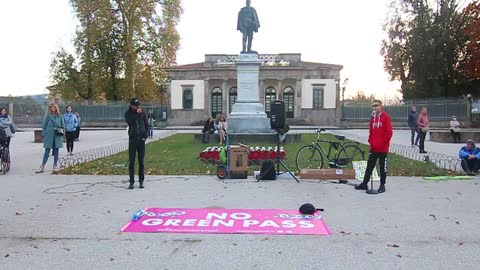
438	110
31	114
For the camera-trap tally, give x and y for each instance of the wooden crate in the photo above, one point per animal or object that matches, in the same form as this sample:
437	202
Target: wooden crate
327	174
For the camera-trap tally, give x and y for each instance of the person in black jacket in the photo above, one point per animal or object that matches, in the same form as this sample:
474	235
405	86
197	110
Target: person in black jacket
412	123
137	135
208	128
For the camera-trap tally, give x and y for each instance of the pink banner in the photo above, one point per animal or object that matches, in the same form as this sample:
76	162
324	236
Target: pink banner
227	221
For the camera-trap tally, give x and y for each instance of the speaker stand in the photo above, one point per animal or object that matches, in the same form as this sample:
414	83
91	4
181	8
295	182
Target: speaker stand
278	162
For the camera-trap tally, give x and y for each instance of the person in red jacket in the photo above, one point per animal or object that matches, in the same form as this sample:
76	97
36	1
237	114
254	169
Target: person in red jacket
380	133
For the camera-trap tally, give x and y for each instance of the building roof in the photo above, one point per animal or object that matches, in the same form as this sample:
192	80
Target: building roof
271	61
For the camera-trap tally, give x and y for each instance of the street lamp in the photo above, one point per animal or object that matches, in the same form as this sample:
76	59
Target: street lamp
344	87
469	109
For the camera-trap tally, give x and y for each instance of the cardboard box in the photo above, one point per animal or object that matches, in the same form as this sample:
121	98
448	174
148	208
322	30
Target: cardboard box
327	174
238	160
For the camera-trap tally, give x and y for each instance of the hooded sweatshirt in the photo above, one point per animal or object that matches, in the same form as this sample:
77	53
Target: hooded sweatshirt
380	133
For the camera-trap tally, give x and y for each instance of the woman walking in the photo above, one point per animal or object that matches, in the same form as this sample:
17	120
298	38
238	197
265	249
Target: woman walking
422	123
53	129
71	123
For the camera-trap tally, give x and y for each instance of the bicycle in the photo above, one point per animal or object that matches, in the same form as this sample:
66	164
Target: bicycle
312	156
4	159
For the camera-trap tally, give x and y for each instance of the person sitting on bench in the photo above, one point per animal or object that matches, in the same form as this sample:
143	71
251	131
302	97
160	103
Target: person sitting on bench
208	128
470	155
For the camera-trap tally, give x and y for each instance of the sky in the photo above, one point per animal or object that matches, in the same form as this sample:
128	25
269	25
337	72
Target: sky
343	32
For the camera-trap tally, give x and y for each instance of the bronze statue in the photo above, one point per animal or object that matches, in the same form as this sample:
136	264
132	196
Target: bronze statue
247	24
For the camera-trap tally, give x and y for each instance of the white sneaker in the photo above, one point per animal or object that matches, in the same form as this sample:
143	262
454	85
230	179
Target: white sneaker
41	170
55	169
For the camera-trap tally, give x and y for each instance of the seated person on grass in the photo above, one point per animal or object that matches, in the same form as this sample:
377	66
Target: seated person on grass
470	155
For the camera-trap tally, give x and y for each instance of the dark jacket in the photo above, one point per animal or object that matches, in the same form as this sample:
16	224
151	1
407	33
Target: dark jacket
137	124
412	120
208	126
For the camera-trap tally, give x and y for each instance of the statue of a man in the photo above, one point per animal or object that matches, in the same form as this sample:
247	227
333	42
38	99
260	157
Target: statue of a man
247	24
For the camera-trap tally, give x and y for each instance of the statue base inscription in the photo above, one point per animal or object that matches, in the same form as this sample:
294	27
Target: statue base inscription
248	113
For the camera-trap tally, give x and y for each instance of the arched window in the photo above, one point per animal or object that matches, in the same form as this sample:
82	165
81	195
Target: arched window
217	98
232	98
289	99
270	97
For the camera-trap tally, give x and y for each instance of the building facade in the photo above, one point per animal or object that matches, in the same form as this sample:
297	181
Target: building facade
310	90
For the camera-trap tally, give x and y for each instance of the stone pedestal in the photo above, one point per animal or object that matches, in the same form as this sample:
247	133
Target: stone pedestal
248	113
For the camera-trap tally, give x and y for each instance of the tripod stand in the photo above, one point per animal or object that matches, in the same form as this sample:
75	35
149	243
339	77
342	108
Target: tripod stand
278	162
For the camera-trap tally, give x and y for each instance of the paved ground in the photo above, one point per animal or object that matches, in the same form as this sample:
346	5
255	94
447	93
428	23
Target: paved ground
73	222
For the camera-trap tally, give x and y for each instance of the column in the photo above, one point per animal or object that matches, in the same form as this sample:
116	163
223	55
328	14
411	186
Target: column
298	99
261	92
280	90
224	96
206	96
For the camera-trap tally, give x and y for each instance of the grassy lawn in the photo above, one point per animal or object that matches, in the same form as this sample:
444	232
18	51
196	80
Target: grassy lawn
177	155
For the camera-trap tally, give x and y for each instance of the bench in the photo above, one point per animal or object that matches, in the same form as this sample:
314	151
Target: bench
444	136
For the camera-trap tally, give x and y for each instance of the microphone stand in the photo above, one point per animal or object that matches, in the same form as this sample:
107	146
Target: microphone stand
371	191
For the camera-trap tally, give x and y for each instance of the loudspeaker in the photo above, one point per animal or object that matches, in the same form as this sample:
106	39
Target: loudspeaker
277	114
268	171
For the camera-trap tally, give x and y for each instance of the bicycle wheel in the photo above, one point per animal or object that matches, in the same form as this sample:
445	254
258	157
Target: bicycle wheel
348	154
3	163
6	155
309	157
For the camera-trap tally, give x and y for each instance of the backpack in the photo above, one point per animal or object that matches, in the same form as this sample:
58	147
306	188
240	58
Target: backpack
268	171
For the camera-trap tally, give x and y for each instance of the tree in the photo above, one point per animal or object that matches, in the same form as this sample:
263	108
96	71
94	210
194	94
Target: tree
471	62
360	97
87	35
66	74
123	48
423	47
150	40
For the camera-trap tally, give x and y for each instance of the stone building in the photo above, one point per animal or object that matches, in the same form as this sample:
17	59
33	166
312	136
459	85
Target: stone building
310	90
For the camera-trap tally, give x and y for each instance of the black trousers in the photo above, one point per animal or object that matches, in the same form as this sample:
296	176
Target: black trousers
70	136
423	135
413	139
456	136
77	133
372	160
136	145
470	165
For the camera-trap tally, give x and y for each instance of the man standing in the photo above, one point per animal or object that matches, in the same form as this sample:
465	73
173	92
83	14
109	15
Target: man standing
380	133
137	134
412	123
470	155
247	23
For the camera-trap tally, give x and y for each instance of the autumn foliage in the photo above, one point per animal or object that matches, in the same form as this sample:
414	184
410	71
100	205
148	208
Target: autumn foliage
471	63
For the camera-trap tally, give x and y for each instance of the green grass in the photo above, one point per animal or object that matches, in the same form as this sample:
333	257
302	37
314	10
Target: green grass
178	155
